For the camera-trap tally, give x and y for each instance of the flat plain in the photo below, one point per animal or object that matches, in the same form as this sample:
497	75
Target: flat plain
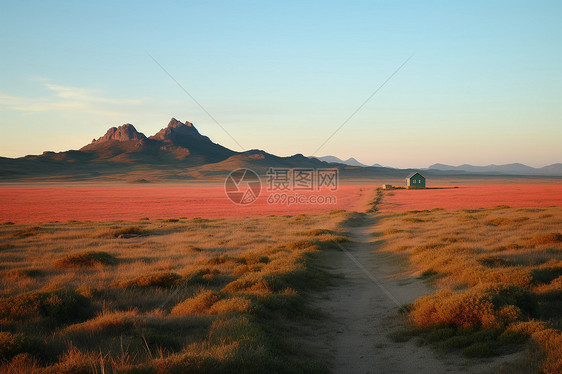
44	203
178	279
472	196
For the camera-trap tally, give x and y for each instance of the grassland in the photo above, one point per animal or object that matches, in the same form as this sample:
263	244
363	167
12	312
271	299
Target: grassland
161	296
498	279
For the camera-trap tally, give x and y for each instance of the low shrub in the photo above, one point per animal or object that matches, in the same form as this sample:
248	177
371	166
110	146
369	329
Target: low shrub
192	248
474	341
56	307
545	275
86	259
240	270
107	323
317	232
27	232
300	245
25	273
159	339
337	211
502	221
198	304
413	220
5	246
10	345
162	280
548	238
492	261
232	305
21	363
222	259
252	283
488	306
455	342
75	361
439	334
401	336
481	349
205	276
428	274
130	232
392	231
252	259
288	303
512	337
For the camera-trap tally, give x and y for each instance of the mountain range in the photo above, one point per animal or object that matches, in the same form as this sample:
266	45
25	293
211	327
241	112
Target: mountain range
179	152
176	152
506	169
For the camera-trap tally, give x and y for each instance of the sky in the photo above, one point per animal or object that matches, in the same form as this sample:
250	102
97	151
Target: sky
483	84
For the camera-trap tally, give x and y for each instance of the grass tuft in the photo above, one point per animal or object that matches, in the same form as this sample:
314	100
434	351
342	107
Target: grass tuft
10	345
86	260
25	273
130	232
488	306
198	304
481	349
548	238
161	280
413	220
55	307
27	232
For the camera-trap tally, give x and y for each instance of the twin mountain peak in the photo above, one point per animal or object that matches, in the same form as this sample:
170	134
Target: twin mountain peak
128	132
178	141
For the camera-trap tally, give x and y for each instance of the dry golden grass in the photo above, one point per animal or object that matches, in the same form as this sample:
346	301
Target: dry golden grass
159	296
496	269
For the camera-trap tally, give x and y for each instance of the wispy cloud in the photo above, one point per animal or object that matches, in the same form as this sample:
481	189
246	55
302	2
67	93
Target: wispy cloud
68	100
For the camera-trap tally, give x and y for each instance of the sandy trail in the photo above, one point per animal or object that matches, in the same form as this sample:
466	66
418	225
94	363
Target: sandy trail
361	314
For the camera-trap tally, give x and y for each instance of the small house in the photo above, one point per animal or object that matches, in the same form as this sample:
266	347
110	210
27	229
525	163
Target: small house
415	180
387	186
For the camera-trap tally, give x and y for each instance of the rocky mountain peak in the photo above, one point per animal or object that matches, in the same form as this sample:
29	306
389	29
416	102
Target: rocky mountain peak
123	133
176	128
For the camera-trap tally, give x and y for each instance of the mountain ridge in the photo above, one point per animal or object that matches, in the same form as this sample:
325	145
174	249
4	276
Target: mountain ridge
505	169
350	161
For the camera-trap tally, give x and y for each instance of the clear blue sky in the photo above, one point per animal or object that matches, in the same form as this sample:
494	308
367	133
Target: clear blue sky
484	85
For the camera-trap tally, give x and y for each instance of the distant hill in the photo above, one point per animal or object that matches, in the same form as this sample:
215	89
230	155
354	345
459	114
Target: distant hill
507	169
350	161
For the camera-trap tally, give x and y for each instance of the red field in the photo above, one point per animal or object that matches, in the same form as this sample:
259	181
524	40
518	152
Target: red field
100	203
474	196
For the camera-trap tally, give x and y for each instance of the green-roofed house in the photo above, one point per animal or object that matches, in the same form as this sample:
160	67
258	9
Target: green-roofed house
415	180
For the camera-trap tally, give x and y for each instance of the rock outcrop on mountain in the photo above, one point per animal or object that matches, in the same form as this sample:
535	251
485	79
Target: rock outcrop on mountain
124	133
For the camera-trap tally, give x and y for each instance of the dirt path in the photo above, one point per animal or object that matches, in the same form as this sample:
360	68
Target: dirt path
362	312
